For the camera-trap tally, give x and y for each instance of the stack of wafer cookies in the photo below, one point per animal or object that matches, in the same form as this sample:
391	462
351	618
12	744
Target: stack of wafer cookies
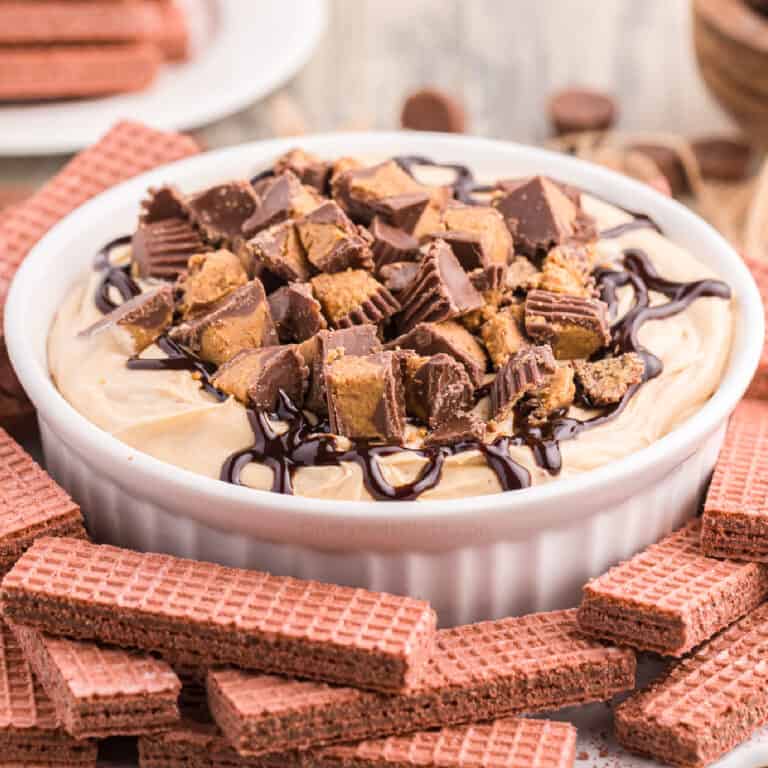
53	49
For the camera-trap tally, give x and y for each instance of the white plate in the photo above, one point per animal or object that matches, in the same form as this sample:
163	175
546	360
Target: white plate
242	50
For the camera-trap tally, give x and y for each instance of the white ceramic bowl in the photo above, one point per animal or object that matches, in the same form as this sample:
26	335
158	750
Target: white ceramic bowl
474	558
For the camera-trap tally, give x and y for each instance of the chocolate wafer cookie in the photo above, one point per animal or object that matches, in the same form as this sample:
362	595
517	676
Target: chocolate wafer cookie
735	522
707	704
29	730
477	672
99	692
202	612
31	504
670	597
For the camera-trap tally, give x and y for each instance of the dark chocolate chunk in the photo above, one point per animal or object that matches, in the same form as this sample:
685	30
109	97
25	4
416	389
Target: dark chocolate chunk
436	388
540	215
365	396
606	381
144	317
310	170
527	371
723	158
219	211
278	250
353	297
430	109
440	291
241	321
358	340
398	276
162	203
332	242
449	338
162	249
458	428
209	278
257	376
669	162
285	197
296	313
384	189
482	225
579	109
391	245
574	327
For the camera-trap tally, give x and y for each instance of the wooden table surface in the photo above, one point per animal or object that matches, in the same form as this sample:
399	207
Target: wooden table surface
501	57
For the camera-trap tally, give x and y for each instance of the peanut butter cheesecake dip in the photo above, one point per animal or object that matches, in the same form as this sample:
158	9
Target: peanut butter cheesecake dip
390	330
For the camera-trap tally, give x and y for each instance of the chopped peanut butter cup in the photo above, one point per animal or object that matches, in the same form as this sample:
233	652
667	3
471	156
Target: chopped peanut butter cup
457	428
365	396
436	388
162	203
481	225
296	312
575	327
556	395
568	269
398	275
256	376
503	335
449	338
353	297
144	317
441	289
391	245
219	212
309	170
278	250
527	371
284	197
241	321
162	249
332	242
522	274
606	381
210	277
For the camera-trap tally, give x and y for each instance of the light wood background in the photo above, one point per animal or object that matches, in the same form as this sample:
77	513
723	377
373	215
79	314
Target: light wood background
501	57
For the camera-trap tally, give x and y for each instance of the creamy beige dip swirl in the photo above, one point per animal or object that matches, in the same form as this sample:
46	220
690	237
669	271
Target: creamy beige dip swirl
167	415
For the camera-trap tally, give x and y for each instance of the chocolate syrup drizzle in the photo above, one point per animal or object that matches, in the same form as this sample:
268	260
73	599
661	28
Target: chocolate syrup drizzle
304	444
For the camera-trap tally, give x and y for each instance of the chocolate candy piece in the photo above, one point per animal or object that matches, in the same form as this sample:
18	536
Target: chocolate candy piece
574	327
384	189
296	313
540	215
144	317
99	692
31	504
606	381
391	245
353	297
208	614
285	197
162	203
477	235
457	428
580	109
556	395
241	321
526	371
162	249
220	211
278	250
567	269
522	274
476	672
670	597
358	340
668	161
30	732
441	289
723	158
256	376
430	109
210	277
307	168
332	242
436	388
707	704
449	338
503	335
398	276
735	522
365	396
